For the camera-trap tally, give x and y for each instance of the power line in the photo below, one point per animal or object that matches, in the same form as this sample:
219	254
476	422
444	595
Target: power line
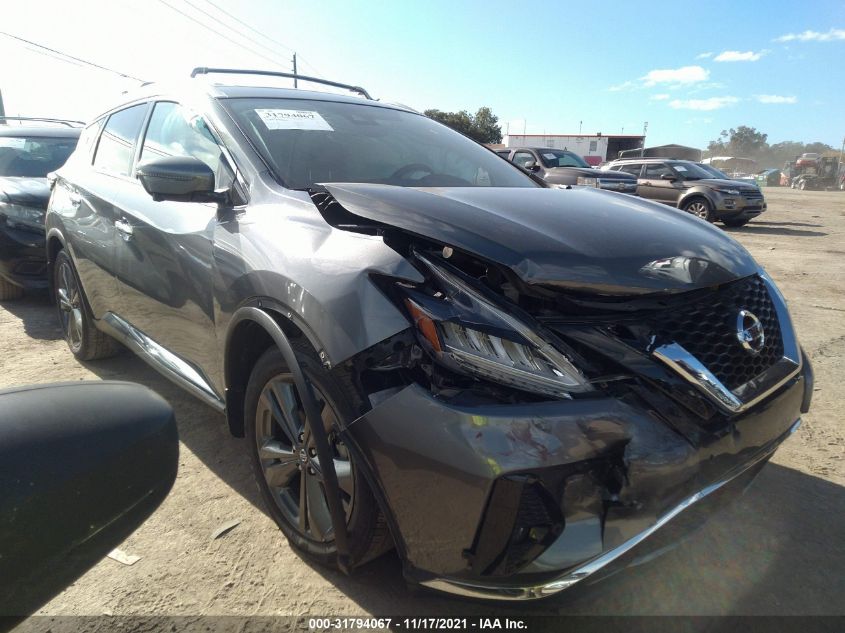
235	31
262	34
78	59
218	33
254	30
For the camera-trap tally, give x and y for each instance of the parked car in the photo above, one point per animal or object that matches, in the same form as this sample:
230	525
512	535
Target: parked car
28	153
808	159
561	167
769	178
688	186
514	384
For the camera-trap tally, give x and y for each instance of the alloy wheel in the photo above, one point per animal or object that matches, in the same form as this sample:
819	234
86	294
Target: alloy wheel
699	209
70	306
289	461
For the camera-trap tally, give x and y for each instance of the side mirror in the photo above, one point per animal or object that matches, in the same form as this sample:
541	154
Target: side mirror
531	166
179	178
82	465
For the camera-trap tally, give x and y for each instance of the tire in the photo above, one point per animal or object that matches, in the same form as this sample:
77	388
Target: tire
802	185
83	338
735	223
699	207
9	291
279	468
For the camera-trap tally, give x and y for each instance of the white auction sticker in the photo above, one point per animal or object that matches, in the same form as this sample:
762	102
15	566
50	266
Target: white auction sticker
549	156
293	119
13	142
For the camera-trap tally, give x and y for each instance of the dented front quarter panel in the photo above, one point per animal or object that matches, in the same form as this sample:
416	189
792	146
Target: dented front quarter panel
318	276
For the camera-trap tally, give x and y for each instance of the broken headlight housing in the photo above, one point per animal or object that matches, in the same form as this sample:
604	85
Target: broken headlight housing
19	216
470	333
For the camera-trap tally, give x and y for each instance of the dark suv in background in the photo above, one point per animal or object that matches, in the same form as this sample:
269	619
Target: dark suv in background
512	383
562	167
691	187
29	150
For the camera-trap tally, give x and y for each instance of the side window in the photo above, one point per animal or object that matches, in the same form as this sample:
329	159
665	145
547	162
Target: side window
117	142
633	169
523	158
175	131
656	170
87	140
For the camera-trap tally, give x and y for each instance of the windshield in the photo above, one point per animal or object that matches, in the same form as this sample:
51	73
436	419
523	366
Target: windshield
691	171
33	156
715	172
307	142
558	158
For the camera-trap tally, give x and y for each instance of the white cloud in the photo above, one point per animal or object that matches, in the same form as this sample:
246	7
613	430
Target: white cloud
660	97
738	56
683	75
713	103
704	55
813	36
776	99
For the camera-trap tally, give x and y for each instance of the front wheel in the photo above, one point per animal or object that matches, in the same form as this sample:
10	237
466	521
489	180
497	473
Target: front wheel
700	208
83	338
286	467
802	185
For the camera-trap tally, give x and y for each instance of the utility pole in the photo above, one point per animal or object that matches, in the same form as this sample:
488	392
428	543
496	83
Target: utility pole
580	123
294	70
645	129
2	110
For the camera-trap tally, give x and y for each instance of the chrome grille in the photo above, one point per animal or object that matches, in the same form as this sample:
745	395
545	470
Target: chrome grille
707	329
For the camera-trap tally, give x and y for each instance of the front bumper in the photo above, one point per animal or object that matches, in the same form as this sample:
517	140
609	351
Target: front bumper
740	207
23	259
616	471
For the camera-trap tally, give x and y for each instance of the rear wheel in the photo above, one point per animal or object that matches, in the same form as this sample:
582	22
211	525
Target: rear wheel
9	291
82	336
700	208
735	223
287	469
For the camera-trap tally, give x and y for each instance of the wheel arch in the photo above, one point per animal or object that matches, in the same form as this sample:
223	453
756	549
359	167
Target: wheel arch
695	193
55	243
246	341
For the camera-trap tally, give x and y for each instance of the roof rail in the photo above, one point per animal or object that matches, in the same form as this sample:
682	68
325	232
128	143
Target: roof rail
67	122
203	70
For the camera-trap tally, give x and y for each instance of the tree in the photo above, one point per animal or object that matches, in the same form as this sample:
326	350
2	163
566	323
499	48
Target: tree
483	127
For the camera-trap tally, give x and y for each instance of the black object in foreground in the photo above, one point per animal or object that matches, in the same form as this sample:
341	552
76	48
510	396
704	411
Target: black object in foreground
82	465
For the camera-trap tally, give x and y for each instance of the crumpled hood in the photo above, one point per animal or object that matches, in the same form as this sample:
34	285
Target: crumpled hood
580	238
27	192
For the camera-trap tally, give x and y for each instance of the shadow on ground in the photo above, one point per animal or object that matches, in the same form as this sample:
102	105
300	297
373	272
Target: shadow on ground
37	314
776	228
778	550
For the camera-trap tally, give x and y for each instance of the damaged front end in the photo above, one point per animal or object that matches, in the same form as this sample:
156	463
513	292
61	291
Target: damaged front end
525	432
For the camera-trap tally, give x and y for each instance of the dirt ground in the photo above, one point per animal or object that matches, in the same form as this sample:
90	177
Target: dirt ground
779	550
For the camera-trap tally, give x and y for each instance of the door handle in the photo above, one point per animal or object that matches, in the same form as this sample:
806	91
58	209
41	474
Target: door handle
124	228
648	184
75	199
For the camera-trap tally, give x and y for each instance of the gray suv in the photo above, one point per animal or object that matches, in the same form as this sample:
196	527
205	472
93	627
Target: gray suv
562	167
423	346
688	186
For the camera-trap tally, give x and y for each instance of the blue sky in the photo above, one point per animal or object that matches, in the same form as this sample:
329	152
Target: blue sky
546	66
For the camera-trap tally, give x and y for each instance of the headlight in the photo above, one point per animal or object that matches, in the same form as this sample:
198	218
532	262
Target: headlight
25	217
470	333
587	181
730	192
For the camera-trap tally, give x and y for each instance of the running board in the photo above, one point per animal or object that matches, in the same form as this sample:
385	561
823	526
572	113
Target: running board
166	363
